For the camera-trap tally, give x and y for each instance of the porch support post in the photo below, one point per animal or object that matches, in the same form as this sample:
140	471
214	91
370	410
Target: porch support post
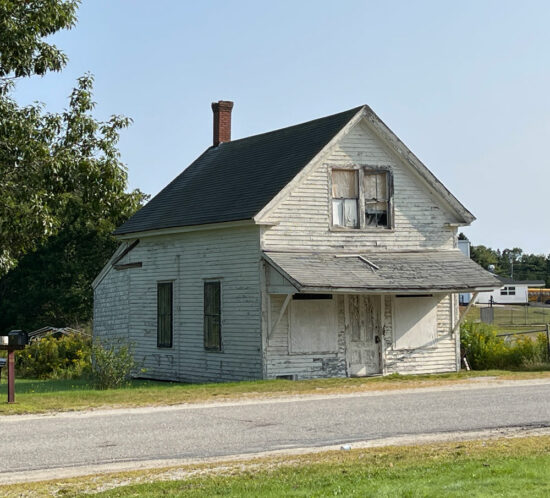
281	313
463	317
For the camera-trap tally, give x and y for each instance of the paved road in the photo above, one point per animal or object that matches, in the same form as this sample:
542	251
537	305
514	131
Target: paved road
50	442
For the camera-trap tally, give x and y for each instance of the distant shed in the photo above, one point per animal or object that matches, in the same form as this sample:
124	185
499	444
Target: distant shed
512	292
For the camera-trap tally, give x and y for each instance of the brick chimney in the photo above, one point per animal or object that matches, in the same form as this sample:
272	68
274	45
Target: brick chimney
222	121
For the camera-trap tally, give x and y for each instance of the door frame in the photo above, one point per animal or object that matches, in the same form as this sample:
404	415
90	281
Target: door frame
378	345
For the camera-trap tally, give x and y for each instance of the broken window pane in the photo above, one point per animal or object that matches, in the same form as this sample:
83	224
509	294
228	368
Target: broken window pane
375	187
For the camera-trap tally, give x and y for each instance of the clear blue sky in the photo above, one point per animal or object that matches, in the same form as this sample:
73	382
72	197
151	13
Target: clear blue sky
464	84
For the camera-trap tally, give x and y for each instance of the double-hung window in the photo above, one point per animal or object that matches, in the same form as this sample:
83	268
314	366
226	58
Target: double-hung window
212	316
165	319
345	198
361	198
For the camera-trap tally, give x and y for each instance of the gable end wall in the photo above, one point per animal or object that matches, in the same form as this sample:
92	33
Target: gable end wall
302	219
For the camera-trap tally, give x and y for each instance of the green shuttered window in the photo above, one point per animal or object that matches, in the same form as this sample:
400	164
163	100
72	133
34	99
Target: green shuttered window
212	316
165	319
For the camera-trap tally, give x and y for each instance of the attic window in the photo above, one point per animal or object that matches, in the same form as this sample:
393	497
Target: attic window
345	198
366	187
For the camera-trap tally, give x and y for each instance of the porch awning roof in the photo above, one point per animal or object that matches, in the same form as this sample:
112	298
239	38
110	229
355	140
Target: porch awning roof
382	272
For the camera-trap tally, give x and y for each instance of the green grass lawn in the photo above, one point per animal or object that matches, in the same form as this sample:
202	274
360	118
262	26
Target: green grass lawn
405	473
514	318
39	396
502	467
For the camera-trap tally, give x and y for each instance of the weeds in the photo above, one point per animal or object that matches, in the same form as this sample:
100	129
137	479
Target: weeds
484	349
112	364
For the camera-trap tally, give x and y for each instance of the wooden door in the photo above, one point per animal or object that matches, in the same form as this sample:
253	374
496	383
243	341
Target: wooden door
363	337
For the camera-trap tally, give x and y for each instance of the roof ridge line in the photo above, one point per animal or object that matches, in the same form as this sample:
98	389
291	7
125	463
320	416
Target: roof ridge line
356	109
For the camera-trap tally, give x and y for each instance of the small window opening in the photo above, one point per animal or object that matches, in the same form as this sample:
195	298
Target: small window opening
286	377
212	316
164	314
302	297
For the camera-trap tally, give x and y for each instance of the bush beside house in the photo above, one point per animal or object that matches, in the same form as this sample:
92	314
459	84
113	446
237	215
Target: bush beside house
73	356
484	349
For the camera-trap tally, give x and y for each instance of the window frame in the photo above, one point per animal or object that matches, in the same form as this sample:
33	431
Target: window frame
356	199
170	344
508	290
219	347
363	169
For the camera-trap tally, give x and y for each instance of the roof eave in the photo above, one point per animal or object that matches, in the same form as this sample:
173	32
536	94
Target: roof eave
377	291
403	152
185	229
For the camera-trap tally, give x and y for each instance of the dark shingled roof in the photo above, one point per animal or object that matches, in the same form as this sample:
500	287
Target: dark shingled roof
423	271
532	283
235	180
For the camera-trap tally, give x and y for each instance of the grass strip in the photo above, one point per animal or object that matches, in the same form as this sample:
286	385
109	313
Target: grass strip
41	396
498	467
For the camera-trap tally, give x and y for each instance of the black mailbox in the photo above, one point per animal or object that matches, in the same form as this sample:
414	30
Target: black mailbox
17	339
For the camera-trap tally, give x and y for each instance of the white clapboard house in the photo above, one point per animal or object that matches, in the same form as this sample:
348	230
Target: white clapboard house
320	250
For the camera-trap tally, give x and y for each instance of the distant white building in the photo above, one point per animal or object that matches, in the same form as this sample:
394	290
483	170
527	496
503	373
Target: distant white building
512	292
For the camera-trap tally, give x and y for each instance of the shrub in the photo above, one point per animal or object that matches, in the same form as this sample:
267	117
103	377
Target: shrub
112	364
484	349
63	357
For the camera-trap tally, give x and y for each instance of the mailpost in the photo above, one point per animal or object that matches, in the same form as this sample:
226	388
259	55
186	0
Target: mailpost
17	339
12	341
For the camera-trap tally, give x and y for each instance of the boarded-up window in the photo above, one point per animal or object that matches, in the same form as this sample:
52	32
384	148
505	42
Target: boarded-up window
415	322
345	195
376	192
212	316
164	314
313	326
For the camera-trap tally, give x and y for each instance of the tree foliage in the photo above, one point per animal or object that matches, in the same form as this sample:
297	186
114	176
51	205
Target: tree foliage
62	183
23	27
525	266
57	169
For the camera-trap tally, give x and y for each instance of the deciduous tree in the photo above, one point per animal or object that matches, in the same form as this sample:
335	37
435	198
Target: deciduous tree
62	183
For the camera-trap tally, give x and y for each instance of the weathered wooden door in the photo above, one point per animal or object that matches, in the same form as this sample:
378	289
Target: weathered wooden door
363	335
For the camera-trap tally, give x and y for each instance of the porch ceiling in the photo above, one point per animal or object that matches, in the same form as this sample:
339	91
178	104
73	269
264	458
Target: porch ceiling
383	272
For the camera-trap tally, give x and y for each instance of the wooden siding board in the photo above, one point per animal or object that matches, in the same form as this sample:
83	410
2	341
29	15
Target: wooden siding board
231	255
